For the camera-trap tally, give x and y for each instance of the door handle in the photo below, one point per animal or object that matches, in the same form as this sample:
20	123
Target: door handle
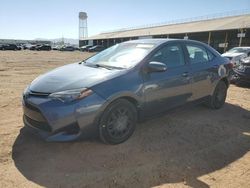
185	74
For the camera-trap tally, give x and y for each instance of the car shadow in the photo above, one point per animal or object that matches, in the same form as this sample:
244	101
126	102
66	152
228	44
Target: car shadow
178	147
242	84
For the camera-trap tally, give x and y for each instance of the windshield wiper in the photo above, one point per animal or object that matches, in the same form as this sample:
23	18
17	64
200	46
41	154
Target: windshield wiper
82	62
107	66
97	65
103	66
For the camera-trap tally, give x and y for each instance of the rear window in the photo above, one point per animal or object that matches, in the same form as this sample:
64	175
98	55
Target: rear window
211	56
199	54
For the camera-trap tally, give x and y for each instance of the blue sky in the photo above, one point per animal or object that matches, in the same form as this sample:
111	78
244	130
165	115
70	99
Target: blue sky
29	19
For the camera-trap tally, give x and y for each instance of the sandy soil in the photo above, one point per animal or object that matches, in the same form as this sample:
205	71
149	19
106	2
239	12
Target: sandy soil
189	147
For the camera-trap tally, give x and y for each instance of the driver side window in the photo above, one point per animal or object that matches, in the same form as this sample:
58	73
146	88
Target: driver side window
171	55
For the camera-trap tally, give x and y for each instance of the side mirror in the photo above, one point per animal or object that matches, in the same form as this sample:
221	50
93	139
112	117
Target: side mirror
155	66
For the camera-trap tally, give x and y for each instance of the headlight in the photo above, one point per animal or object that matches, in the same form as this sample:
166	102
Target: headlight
26	90
71	95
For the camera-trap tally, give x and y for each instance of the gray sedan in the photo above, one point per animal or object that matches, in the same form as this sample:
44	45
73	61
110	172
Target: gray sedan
109	92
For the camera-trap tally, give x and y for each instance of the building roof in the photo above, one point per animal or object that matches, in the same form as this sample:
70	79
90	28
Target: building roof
218	24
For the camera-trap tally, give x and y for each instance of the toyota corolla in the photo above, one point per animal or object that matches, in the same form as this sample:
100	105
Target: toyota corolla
110	91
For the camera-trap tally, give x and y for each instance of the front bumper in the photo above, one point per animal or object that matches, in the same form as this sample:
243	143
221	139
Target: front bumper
54	120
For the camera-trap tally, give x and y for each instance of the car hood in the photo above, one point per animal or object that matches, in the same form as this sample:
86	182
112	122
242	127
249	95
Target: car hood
72	76
232	54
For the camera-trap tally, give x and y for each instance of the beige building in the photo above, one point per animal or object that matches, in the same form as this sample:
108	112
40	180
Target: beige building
221	32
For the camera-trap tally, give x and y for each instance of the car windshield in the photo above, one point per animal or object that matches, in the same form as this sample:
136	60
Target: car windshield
237	50
124	55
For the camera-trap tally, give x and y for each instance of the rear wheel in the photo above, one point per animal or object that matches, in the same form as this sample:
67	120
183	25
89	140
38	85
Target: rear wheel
118	122
217	100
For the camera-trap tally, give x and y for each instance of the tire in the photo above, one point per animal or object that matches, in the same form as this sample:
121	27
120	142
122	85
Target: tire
217	100
118	122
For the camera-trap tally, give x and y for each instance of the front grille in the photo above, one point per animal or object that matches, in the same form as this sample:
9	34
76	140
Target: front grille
37	124
30	106
33	112
34	117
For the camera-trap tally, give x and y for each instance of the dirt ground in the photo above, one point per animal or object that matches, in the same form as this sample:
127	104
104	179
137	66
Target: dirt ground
192	146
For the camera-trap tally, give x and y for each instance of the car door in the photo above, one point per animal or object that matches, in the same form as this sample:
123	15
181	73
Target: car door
203	69
165	90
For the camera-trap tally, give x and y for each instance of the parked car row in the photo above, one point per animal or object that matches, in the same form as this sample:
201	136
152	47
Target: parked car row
25	47
46	47
10	47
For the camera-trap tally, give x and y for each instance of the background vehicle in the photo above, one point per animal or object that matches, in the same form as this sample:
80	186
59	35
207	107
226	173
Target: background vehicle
242	72
67	48
10	47
26	46
57	47
77	48
43	48
96	48
235	57
33	47
245	50
111	90
85	48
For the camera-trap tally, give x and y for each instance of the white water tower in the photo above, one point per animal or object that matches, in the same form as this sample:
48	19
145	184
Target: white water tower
83	25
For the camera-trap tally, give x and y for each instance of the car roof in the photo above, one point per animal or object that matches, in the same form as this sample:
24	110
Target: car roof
158	41
150	41
243	47
232	54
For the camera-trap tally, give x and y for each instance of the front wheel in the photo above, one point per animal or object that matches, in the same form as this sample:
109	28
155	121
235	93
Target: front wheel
217	100
118	122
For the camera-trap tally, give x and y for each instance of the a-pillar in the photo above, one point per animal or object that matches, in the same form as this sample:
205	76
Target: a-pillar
225	42
209	38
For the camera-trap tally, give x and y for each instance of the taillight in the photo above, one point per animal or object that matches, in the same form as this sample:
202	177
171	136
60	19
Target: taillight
231	64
